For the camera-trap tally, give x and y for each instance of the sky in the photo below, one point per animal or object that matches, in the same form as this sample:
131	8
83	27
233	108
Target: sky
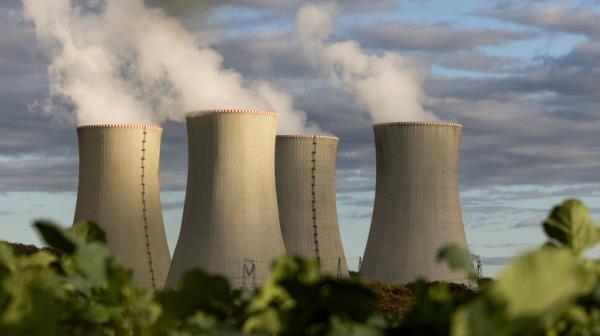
521	76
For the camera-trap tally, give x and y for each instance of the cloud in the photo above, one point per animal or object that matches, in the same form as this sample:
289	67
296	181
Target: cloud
507	245
47	173
172	206
184	7
365	215
442	37
509	143
551	18
476	60
534	223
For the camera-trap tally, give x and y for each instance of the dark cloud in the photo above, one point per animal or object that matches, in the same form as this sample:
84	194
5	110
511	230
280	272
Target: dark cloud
9	5
442	37
181	7
512	4
364	215
476	60
173	157
513	123
190	7
272	54
552	18
506	245
172	206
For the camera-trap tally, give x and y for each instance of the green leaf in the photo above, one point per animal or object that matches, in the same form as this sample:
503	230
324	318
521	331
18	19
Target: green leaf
543	282
458	258
39	259
89	232
29	290
56	237
8	260
92	261
570	225
197	290
296	297
478	318
529	295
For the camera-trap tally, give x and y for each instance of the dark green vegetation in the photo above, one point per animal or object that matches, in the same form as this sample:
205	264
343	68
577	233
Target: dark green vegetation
83	290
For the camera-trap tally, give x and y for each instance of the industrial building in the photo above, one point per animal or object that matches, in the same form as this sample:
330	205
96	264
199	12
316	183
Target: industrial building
230	222
119	190
305	173
417	203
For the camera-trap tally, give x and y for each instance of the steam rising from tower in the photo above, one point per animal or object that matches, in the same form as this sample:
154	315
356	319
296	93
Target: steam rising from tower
417	202
230	220
390	86
119	190
117	61
305	171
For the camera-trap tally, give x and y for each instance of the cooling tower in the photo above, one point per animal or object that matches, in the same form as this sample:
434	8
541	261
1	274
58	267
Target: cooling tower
417	202
230	220
305	174
119	189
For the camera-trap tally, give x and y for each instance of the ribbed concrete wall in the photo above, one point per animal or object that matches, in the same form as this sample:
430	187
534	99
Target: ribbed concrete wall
119	189
417	204
305	173
230	220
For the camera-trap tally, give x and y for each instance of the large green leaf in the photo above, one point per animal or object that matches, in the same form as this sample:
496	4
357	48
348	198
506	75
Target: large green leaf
56	237
543	281
528	296
569	224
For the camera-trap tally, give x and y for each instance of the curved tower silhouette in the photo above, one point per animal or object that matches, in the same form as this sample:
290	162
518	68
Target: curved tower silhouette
305	173
230	220
119	189
417	202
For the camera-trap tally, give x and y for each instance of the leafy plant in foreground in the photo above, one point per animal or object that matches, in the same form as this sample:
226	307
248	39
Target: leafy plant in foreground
84	290
98	296
549	291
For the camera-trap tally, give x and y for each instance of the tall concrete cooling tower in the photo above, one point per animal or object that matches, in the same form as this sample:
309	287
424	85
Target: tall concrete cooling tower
305	172
417	203
119	189
230	220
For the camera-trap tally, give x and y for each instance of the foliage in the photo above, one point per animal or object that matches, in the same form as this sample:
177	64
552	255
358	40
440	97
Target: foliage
82	289
397	300
25	249
549	291
570	226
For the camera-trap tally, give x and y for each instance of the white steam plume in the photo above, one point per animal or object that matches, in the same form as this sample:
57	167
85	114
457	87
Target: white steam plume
390	86
117	61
